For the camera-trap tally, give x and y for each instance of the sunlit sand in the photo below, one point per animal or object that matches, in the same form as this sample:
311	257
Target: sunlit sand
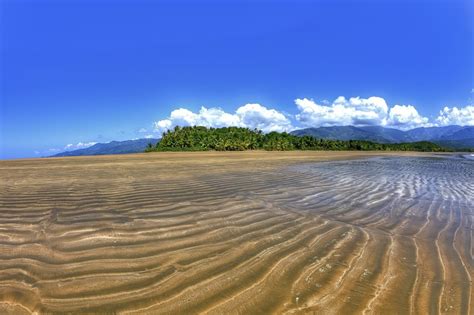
237	232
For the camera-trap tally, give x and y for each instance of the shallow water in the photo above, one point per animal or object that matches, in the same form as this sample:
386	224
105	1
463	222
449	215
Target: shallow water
156	234
448	180
419	211
469	156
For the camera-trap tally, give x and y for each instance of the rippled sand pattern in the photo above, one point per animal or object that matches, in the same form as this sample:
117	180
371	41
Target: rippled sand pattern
249	233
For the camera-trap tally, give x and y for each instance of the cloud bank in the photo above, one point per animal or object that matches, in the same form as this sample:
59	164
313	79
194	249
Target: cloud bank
249	115
463	116
356	111
406	117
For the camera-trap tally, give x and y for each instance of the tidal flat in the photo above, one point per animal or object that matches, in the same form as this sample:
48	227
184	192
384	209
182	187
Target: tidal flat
238	233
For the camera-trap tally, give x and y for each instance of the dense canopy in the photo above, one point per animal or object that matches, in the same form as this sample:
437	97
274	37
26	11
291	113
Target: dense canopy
200	138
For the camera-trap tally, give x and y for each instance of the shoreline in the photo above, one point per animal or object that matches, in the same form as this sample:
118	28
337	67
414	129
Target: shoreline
218	232
231	154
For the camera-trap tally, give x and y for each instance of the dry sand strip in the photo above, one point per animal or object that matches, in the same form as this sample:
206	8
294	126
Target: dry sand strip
229	233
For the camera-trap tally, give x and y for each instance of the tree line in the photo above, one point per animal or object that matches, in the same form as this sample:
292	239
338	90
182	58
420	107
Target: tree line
198	138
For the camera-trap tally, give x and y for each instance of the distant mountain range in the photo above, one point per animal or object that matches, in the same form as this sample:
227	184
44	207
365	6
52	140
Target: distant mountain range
114	147
455	137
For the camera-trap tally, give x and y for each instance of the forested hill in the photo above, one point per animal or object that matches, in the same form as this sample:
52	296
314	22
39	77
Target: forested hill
454	137
238	139
114	147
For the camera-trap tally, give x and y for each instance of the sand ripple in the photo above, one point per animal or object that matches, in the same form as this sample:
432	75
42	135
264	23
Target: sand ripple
251	234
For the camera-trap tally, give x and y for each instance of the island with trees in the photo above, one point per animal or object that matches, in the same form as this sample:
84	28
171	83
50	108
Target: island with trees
199	138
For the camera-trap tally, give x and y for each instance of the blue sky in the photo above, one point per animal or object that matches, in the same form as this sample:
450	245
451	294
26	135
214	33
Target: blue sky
95	71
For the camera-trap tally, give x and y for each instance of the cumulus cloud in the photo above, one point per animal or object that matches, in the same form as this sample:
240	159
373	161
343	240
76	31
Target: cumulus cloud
148	136
357	111
260	117
406	117
249	115
354	111
463	116
79	145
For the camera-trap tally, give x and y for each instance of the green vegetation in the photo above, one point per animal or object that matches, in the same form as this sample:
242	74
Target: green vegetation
238	139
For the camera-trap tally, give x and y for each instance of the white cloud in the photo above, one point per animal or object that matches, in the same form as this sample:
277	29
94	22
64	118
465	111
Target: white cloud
406	117
260	117
463	116
148	136
355	111
79	145
249	115
142	130
163	125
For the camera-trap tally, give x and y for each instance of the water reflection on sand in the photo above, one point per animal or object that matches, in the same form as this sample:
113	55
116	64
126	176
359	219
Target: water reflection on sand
226	233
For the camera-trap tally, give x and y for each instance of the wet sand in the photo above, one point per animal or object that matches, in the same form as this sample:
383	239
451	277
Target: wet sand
238	232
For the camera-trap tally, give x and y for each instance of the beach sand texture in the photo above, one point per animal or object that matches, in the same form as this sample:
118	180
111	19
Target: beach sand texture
235	233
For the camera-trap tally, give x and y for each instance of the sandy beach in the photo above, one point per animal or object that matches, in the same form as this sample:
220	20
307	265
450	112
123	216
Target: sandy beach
229	233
